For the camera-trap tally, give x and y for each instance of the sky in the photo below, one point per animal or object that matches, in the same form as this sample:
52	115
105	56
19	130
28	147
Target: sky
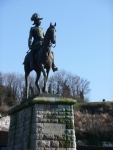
84	45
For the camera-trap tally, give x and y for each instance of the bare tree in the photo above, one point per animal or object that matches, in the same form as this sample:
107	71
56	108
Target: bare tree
3	90
70	84
12	86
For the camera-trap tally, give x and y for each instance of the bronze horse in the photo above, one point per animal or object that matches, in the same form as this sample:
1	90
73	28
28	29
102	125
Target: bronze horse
43	60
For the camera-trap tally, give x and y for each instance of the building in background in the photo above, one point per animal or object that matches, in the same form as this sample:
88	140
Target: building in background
4	129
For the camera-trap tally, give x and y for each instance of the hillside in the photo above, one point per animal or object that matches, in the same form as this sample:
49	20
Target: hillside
94	122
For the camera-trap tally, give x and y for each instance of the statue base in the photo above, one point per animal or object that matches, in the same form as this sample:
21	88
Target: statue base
42	123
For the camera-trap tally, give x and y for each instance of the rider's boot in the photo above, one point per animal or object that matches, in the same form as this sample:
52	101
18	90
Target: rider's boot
54	68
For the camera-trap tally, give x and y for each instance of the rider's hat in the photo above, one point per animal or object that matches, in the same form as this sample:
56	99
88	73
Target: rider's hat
36	16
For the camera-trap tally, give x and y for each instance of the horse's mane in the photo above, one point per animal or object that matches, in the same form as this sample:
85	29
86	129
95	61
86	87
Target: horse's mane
47	32
48	29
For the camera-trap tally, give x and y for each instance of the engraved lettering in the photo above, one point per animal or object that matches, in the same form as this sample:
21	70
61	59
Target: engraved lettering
54	128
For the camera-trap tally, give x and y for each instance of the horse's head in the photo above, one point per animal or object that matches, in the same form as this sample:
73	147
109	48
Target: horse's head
50	35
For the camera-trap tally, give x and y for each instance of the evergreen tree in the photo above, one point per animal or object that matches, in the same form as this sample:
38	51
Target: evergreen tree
66	90
49	88
82	95
58	89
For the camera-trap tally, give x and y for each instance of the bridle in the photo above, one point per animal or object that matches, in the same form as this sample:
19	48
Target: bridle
53	46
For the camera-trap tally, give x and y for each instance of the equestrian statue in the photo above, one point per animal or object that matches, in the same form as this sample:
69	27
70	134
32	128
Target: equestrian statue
39	56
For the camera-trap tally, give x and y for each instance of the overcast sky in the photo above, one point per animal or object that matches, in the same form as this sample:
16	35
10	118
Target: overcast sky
84	38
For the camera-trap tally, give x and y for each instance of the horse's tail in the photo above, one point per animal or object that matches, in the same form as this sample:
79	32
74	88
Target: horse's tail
23	62
27	59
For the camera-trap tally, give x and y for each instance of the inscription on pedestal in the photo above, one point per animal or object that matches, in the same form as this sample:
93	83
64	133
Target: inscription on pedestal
54	128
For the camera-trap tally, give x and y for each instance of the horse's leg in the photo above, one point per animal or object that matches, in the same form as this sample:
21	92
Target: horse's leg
27	71
27	85
43	71
37	80
47	74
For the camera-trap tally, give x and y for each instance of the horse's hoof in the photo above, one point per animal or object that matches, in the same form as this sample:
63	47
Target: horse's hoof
43	90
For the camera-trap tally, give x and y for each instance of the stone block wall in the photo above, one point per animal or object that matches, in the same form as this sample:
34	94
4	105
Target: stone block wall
43	127
19	130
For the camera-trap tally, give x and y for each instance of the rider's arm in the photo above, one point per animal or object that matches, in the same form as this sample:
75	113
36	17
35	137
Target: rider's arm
30	39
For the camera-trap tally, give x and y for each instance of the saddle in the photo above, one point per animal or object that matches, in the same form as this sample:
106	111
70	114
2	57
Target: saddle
41	55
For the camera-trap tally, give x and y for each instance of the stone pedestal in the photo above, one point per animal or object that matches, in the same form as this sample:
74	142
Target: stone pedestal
42	123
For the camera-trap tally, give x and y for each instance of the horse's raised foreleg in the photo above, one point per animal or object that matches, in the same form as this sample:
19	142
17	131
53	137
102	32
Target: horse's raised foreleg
37	81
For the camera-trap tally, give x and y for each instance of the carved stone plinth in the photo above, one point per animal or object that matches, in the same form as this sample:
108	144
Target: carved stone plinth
42	123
